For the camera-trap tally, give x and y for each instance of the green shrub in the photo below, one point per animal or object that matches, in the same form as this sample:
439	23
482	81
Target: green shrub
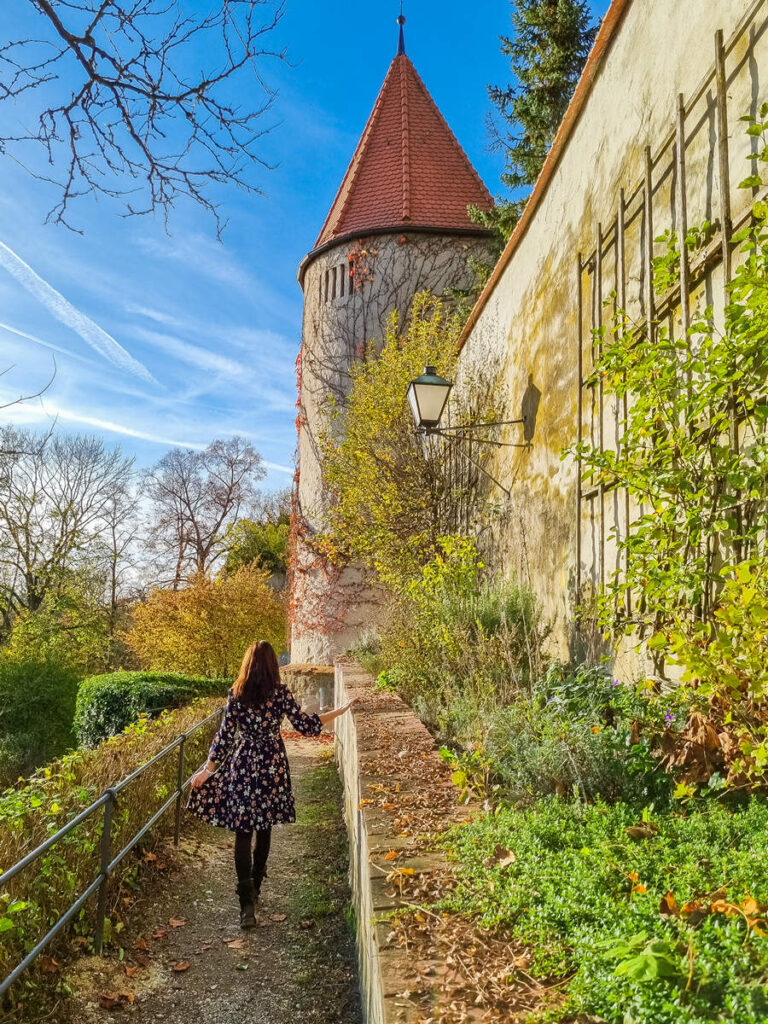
108	704
367	651
576	736
37	705
454	635
662	924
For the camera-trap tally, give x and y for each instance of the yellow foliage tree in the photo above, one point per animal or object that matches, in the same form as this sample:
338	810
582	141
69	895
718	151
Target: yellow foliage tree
205	628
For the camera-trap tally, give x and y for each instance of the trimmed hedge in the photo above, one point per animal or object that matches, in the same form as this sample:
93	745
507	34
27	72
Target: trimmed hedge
108	704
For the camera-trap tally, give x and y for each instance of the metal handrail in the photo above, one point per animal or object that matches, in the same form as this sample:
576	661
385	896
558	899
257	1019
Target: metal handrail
108	863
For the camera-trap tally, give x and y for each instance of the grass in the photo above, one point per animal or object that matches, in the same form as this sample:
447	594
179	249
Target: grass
321	890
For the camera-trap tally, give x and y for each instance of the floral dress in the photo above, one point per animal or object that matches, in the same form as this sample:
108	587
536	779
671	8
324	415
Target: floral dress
251	787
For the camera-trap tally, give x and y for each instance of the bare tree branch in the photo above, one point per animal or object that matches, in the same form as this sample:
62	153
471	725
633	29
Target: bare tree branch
135	123
196	497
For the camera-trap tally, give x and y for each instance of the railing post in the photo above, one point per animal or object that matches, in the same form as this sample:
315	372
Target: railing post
179	785
105	860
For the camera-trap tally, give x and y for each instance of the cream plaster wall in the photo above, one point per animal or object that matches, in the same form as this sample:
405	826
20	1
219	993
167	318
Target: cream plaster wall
528	327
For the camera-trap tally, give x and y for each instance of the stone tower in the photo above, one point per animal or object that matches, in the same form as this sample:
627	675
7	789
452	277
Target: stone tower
397	226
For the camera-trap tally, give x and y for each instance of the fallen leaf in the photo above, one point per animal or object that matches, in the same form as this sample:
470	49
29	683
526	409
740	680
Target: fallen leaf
235	943
159	933
307	923
180	965
150	856
278	917
140	944
49	965
130	997
132	971
391	855
177	922
646	830
501	858
723	907
668	906
109	1001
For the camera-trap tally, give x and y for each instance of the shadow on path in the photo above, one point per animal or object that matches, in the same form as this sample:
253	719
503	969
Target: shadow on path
186	961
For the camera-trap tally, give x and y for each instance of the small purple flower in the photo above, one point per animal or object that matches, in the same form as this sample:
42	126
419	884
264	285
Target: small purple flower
669	717
551	699
615	682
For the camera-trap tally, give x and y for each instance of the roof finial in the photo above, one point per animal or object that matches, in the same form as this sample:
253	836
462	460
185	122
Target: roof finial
401	22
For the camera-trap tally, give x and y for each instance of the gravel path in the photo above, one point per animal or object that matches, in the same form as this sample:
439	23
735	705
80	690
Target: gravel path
185	959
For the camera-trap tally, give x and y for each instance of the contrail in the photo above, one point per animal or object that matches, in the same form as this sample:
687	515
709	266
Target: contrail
70	316
47	344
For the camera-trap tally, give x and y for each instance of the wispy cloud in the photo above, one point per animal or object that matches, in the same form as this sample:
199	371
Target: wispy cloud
37	411
194	355
205	256
70	316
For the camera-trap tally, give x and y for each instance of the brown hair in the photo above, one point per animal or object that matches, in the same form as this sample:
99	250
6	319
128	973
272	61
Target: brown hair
259	674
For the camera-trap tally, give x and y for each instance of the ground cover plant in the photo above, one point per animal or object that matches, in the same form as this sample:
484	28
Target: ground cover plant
652	919
107	704
36	809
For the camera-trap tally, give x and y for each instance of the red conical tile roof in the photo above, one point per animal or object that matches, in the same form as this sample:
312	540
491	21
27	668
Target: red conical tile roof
408	170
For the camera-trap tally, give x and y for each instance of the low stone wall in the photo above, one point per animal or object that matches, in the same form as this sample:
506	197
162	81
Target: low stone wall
396	791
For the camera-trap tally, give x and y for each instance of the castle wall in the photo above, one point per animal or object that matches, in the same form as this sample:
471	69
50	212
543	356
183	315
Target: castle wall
531	325
342	313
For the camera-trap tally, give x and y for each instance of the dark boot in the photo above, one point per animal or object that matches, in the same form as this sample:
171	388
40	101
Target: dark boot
258	878
247	896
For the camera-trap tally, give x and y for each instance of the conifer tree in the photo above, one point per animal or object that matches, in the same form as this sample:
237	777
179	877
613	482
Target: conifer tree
547	49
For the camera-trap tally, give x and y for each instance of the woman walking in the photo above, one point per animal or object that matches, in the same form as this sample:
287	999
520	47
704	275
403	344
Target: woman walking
245	786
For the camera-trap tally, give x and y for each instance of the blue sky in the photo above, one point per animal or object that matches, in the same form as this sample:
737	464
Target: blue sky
176	338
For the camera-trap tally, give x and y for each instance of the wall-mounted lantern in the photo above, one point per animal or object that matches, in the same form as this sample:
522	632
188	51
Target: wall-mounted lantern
428	397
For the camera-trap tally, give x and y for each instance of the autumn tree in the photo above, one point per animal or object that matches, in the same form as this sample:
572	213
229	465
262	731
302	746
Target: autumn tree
547	50
204	628
143	101
196	497
72	628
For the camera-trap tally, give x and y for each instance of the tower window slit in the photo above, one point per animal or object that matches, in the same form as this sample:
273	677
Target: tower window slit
333	282
341	279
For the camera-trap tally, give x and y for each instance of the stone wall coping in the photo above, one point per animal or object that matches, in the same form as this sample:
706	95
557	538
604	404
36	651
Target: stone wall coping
385	753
